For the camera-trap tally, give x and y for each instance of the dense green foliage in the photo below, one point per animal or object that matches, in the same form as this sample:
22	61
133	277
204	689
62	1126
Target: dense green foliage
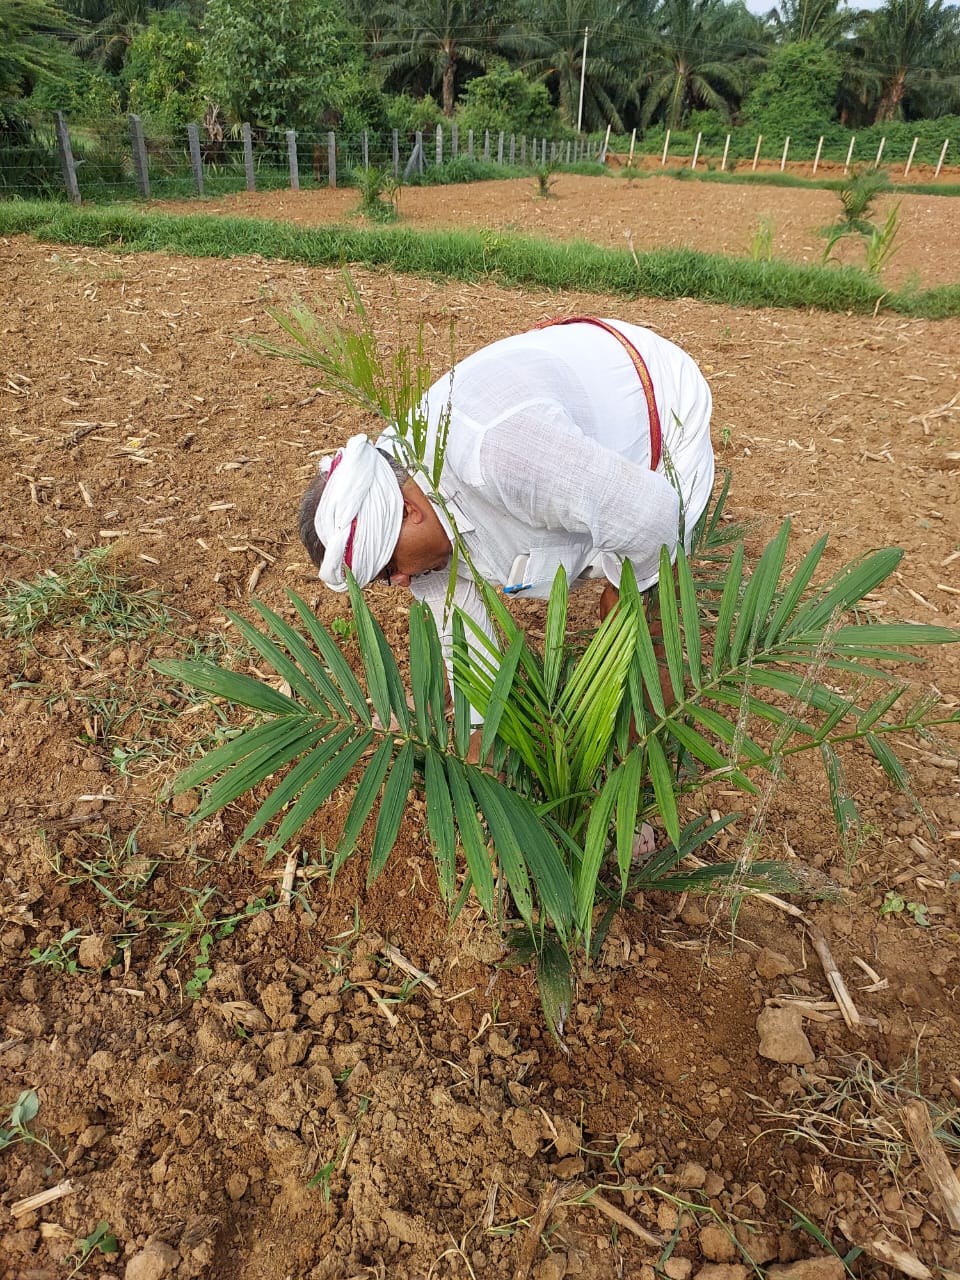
278	63
807	68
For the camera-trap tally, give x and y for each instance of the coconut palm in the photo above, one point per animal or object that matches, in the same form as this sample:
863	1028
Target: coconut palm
699	55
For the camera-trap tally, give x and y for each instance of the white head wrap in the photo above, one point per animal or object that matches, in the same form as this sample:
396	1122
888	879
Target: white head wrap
359	513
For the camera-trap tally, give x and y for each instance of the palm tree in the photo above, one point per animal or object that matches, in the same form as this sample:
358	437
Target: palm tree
433	40
30	45
823	20
549	43
113	24
909	46
700	53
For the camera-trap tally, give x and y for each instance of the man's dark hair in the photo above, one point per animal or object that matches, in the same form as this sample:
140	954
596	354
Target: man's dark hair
311	500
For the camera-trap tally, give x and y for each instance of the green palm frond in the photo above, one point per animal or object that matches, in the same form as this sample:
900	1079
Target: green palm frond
584	746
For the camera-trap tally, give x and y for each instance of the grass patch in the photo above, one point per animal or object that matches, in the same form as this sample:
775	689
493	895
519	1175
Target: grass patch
510	260
92	593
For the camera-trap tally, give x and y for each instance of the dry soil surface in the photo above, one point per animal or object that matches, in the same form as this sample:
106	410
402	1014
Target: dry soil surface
306	1112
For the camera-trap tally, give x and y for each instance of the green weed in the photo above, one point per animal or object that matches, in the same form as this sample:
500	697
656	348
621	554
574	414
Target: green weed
894	904
22	1114
59	956
761	242
101	1240
93	593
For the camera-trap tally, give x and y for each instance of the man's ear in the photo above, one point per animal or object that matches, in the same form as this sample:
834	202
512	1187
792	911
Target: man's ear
412	508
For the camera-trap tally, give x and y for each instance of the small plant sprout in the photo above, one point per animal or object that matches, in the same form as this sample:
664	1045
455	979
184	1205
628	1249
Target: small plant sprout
101	1240
894	904
761	242
23	1112
59	956
379	194
546	175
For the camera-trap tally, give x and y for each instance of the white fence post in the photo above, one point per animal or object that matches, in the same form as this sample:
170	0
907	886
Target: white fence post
726	151
666	147
633	143
816	158
846	167
783	158
696	151
883	143
913	151
943	156
756	154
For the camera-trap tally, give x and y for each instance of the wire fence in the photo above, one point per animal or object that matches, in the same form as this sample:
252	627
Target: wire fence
107	163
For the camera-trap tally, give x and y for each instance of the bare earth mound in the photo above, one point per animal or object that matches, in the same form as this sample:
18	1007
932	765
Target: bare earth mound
306	1110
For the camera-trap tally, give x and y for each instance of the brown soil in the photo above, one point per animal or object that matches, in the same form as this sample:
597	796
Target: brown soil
299	1118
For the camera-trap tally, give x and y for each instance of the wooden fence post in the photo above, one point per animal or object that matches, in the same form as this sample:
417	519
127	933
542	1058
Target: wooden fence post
816	158
486	144
141	171
523	148
726	152
569	150
913	151
332	159
292	160
439	152
365	150
943	156
696	151
454	140
196	160
500	148
846	167
66	160
396	153
756	154
543	151
248	157
470	143
513	148
666	148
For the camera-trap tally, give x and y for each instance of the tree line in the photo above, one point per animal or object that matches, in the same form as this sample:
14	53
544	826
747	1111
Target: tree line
534	67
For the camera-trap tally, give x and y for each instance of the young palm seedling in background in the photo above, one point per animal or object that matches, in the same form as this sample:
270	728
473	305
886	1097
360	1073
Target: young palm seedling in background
583	747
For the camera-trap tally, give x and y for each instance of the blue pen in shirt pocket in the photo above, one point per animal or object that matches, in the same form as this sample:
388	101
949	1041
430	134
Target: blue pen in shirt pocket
516	582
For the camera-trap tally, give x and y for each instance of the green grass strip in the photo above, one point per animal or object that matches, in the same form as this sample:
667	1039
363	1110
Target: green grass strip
506	259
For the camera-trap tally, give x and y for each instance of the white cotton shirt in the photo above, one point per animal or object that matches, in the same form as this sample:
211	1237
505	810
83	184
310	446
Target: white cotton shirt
548	460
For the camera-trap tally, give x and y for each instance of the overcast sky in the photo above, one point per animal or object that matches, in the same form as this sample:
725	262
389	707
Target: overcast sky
764	6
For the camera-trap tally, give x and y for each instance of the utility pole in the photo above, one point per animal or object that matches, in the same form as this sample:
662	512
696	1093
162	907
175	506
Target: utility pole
583	76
